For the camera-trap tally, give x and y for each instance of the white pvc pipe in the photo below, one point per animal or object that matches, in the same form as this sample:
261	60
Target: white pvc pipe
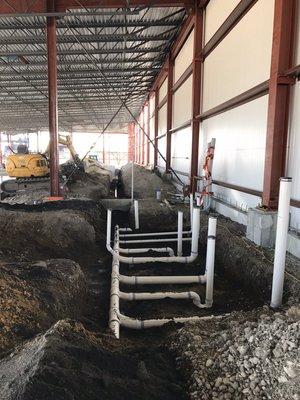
153	240
195	231
151	323
130	235
168	250
163	295
185	260
281	241
210	260
136	214
165	280
124	230
191	208
108	228
132	180
114	322
180	230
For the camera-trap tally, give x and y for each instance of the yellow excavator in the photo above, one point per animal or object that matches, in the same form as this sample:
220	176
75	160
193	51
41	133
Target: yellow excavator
31	170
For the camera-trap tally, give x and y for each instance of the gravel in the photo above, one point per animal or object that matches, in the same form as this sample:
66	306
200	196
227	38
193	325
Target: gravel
250	355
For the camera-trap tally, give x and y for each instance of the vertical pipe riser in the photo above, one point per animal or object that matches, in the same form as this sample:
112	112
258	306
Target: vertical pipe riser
210	260
136	214
180	230
281	241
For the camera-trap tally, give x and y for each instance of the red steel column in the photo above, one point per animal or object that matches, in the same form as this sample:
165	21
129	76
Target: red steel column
196	91
139	141
169	112
143	134
155	126
148	132
52	91
278	107
130	142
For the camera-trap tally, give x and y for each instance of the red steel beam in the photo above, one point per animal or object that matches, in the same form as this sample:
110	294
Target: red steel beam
186	29
40	6
52	92
278	106
169	113
156	109
196	92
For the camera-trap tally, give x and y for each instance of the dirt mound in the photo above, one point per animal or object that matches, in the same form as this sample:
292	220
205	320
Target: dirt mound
146	183
50	234
34	295
94	186
155	216
252	355
68	362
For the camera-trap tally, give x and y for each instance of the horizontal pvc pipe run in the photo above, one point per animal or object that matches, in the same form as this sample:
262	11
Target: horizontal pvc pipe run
153	234
151	323
124	230
154	240
163	295
141	260
157	280
168	250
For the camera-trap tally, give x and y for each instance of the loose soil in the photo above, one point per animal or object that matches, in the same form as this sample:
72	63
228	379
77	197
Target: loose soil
79	359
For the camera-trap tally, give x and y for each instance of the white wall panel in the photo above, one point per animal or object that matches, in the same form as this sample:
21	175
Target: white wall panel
163	90
297	38
215	14
243	58
151	105
184	57
152	133
162	148
240	148
293	159
182	103
162	120
181	150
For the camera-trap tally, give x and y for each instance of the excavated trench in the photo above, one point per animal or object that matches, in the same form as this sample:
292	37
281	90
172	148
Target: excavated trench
83	360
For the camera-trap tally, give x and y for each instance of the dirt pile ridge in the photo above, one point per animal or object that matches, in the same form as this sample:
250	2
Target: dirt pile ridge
69	362
50	233
146	183
34	295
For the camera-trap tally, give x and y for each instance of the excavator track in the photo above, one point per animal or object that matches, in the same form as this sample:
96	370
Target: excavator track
11	187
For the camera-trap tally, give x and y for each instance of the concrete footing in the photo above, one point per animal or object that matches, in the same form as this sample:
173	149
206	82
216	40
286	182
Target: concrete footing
261	227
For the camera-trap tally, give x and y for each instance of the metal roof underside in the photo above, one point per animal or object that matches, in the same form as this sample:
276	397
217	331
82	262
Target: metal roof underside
102	54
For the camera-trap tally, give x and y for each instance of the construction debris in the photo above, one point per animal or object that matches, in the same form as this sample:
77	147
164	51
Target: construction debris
251	355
